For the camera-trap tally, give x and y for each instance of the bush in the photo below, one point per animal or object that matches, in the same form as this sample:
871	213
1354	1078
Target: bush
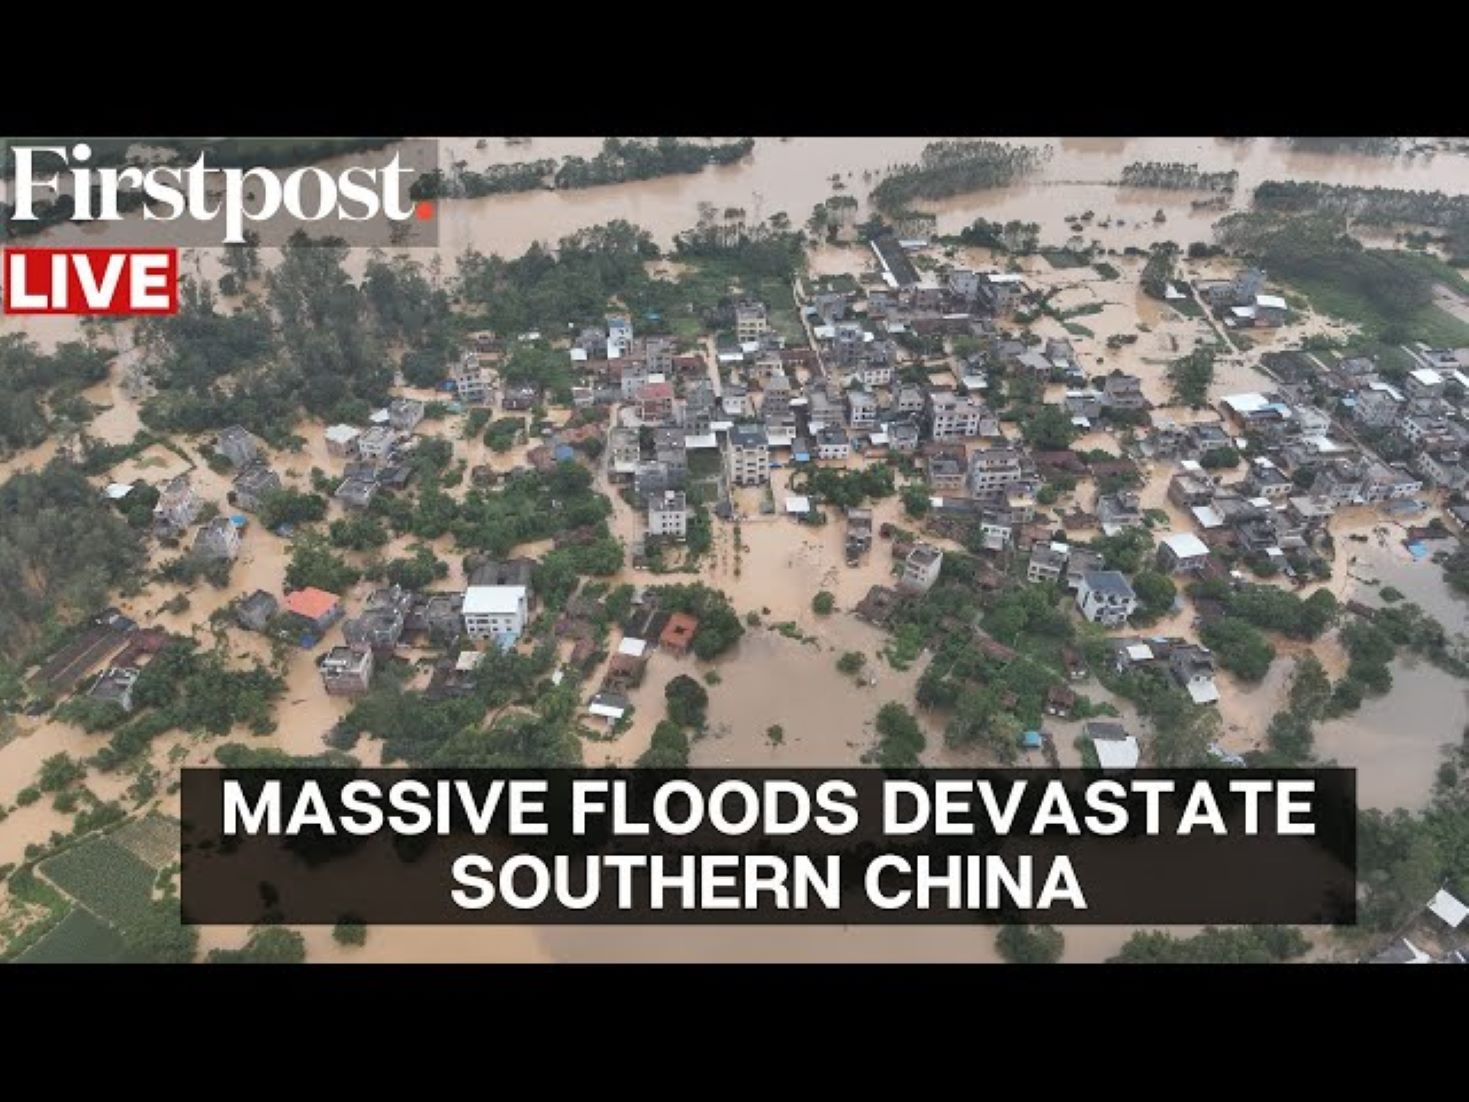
687	701
824	603
851	662
1030	944
350	930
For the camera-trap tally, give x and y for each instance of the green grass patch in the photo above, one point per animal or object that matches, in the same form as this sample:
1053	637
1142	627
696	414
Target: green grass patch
107	878
1428	323
80	938
1076	329
1188	307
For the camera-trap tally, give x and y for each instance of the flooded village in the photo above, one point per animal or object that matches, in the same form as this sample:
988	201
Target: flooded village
811	458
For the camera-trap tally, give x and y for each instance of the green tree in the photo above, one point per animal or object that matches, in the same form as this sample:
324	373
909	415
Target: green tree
1240	647
824	603
273	945
900	739
1155	593
687	701
350	931
1030	944
669	748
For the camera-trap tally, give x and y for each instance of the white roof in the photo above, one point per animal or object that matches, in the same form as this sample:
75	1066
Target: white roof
632	647
1139	652
1172	292
1448	908
343	433
798	505
1427	376
1262	461
1192	466
1270	302
380	417
750	347
980	382
468	660
1387	388
1207	516
116	491
1260	502
879	439
1242	311
533	335
1117	753
1081	422
1460	378
731	357
578	354
1185	545
1003	277
1203	692
1246	403
825	332
606	711
493	599
696	443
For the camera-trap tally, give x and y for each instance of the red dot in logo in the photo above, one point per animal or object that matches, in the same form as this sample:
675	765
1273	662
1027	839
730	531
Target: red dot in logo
424	211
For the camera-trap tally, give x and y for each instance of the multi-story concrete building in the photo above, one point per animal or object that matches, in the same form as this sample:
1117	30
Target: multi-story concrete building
346	671
921	568
1105	597
955	418
748	454
994	469
495	612
668	515
750	321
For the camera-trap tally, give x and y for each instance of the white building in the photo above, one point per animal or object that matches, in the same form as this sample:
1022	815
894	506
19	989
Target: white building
341	440
921	569
471	381
1105	597
376	442
668	515
496	612
955	418
750	321
749	456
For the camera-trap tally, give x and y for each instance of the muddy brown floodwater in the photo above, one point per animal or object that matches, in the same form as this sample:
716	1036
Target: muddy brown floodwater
769	679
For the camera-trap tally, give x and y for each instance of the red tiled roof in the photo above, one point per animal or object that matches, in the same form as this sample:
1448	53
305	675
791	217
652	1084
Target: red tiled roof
311	602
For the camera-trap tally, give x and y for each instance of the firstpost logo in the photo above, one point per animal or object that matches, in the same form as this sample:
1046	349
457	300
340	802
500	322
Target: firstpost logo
112	214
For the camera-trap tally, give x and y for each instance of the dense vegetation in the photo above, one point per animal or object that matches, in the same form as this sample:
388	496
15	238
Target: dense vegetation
1190	377
1176	176
899	738
953	168
40	392
719	625
1030	944
62	548
1240	945
1389	292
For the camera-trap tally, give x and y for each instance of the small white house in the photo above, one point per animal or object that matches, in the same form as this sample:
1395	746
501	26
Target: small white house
1105	597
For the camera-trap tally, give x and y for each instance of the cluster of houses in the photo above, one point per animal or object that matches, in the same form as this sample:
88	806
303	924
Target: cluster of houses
1241	302
376	457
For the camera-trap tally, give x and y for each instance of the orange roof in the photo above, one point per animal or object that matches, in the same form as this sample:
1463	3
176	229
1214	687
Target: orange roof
680	628
311	602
